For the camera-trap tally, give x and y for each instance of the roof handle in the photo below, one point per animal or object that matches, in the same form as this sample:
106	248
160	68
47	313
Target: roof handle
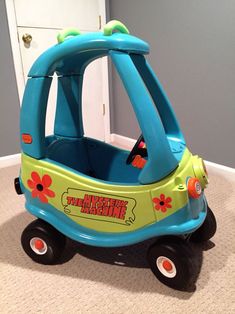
67	32
115	26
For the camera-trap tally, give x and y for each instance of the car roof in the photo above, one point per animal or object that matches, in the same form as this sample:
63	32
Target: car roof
63	57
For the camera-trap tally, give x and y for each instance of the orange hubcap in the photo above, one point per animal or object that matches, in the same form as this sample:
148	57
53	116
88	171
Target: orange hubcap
39	244
167	265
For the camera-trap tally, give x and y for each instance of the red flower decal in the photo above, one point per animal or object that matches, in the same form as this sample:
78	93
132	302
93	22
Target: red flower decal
40	187
162	203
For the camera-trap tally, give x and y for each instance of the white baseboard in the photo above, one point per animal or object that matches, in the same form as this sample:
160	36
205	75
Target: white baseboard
10	160
121	140
220	167
129	142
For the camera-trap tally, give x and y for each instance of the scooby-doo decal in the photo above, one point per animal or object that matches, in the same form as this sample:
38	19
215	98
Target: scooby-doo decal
98	206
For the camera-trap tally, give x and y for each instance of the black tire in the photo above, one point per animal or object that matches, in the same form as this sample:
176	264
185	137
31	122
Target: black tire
207	230
53	242
184	262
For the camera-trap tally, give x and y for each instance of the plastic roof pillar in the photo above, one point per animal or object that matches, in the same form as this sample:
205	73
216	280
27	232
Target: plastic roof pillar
33	115
68	119
161	160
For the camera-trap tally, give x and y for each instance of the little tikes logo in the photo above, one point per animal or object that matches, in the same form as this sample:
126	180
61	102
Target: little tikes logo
99	206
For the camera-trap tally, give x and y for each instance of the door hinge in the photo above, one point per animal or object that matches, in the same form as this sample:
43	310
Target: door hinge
100	22
103	109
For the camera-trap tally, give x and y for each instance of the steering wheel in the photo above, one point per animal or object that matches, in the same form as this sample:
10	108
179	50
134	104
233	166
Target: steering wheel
136	150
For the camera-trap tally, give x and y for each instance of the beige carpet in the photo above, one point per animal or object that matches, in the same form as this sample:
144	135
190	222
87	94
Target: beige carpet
95	280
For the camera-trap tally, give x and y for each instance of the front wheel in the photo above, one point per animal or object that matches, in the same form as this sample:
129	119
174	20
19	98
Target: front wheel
174	263
42	242
206	230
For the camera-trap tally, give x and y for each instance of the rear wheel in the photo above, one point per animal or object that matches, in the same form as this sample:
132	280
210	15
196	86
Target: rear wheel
42	242
207	229
174	263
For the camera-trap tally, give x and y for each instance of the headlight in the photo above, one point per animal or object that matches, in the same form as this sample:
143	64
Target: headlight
200	171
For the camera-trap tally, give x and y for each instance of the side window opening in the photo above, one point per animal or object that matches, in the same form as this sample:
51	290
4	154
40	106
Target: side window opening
88	155
51	107
92	106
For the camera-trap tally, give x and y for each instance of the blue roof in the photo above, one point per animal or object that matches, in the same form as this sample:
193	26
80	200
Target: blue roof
63	57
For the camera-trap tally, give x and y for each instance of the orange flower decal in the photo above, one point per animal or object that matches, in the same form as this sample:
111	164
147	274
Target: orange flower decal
40	187
162	203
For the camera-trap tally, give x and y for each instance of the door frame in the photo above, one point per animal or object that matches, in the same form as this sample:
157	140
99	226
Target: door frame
18	64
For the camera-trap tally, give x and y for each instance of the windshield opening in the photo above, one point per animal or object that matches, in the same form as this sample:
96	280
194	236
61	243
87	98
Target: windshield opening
161	160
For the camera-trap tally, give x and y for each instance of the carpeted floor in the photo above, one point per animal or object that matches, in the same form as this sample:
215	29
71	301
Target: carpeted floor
97	280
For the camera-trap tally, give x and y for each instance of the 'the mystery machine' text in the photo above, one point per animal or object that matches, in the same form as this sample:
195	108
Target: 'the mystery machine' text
101	206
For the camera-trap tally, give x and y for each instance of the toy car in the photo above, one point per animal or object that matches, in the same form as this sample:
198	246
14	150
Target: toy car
98	194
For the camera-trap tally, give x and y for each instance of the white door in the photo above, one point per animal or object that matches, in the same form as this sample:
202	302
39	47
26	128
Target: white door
43	20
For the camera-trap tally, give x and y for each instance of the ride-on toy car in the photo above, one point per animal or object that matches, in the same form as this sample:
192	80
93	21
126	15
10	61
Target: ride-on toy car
95	193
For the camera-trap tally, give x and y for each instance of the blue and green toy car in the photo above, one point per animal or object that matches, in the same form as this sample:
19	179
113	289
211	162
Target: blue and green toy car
98	194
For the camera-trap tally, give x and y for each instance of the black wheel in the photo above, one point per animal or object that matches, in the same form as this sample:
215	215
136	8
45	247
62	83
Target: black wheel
17	186
42	242
207	229
174	263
